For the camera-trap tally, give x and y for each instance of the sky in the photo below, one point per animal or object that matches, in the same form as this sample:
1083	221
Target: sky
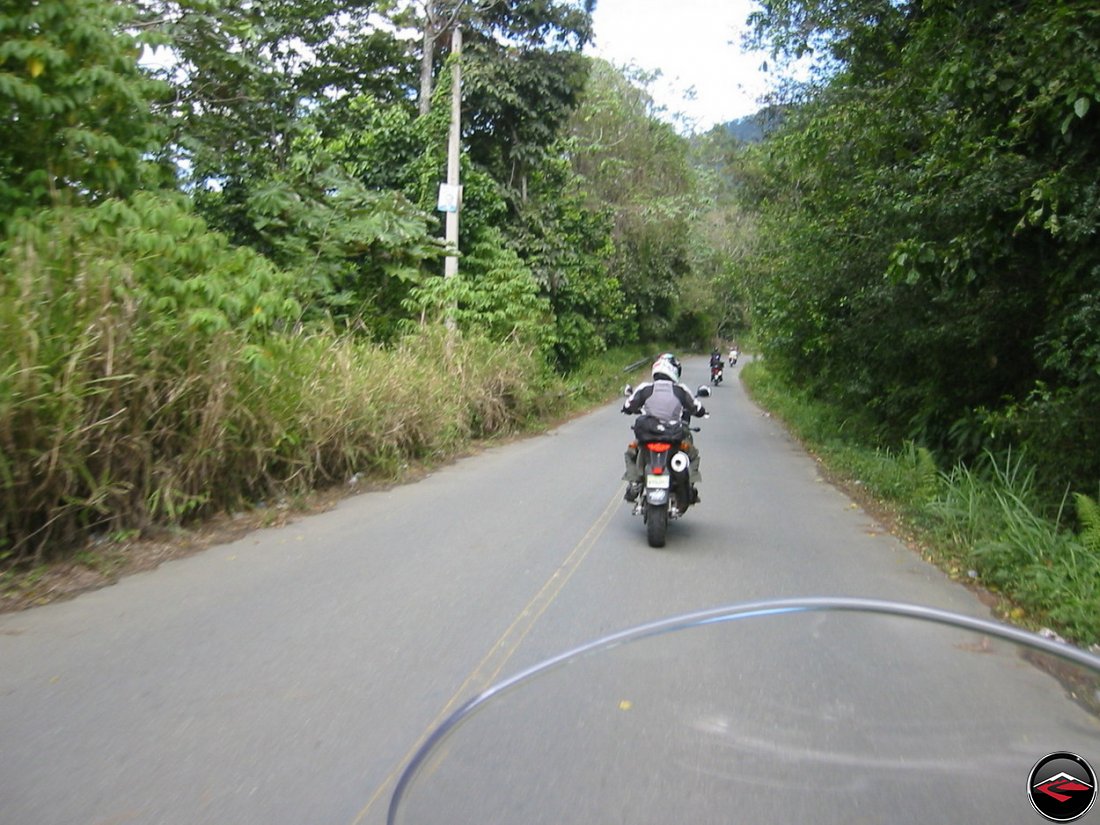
695	44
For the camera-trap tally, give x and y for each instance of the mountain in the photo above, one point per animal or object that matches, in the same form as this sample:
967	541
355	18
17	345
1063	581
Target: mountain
753	128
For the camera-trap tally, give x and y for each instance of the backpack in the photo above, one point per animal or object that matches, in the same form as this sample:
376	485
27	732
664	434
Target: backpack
651	428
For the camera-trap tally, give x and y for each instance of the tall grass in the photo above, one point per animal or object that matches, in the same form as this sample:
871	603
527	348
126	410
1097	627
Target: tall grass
984	519
992	514
229	425
150	374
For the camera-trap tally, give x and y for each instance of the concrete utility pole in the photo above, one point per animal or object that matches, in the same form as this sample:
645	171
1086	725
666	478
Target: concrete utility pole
453	147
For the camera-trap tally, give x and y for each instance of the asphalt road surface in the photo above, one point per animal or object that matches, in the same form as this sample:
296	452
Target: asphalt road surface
286	678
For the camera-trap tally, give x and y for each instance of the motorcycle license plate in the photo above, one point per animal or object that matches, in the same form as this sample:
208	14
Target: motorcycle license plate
658	482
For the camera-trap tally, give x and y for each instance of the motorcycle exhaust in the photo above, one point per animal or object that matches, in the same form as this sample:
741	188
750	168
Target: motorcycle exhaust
679	462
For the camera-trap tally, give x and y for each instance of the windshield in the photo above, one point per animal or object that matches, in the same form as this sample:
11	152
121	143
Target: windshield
753	715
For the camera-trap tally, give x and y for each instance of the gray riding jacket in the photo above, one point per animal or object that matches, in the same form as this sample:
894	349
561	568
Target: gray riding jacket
665	400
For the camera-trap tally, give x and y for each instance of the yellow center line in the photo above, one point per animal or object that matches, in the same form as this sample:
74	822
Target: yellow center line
489	668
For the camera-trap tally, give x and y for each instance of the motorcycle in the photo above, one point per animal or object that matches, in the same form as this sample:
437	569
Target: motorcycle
734	355
808	710
666	493
716	374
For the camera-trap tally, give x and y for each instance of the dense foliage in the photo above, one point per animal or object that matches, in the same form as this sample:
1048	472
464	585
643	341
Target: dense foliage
77	120
677	231
217	219
927	248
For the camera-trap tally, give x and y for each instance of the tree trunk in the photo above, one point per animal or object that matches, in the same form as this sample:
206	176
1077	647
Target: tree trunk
438	20
426	59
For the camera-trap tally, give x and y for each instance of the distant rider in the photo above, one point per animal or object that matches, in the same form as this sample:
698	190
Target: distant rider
672	402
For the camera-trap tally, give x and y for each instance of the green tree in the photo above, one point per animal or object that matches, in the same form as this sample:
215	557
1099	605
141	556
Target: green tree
77	120
357	250
926	216
494	295
637	169
245	74
567	242
268	93
280	142
722	237
522	74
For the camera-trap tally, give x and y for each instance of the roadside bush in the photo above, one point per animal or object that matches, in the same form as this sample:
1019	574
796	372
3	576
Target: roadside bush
152	373
119	322
988	517
992	513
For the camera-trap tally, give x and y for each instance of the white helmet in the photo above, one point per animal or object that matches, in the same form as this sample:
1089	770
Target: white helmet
666	366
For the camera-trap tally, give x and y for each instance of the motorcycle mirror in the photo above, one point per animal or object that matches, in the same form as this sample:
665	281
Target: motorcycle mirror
628	390
704	391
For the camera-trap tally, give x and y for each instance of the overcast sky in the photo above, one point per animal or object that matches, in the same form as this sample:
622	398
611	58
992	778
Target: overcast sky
696	44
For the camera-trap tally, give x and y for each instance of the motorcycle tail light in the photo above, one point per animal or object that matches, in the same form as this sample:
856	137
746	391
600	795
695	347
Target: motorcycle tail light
658	471
660	448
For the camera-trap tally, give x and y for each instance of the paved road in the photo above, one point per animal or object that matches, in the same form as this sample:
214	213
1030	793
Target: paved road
286	677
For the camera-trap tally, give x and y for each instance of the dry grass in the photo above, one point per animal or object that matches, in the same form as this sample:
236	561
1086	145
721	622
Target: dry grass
110	438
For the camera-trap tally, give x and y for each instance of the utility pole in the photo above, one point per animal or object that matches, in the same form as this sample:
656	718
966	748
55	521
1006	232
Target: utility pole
454	189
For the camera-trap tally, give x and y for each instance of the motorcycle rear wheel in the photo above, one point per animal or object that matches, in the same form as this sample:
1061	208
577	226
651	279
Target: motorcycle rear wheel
656	524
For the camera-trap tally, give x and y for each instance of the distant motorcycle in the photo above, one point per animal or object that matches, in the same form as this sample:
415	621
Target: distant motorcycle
716	374
666	494
734	355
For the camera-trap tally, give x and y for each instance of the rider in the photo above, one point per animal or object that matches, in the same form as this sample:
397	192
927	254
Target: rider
715	359
667	399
